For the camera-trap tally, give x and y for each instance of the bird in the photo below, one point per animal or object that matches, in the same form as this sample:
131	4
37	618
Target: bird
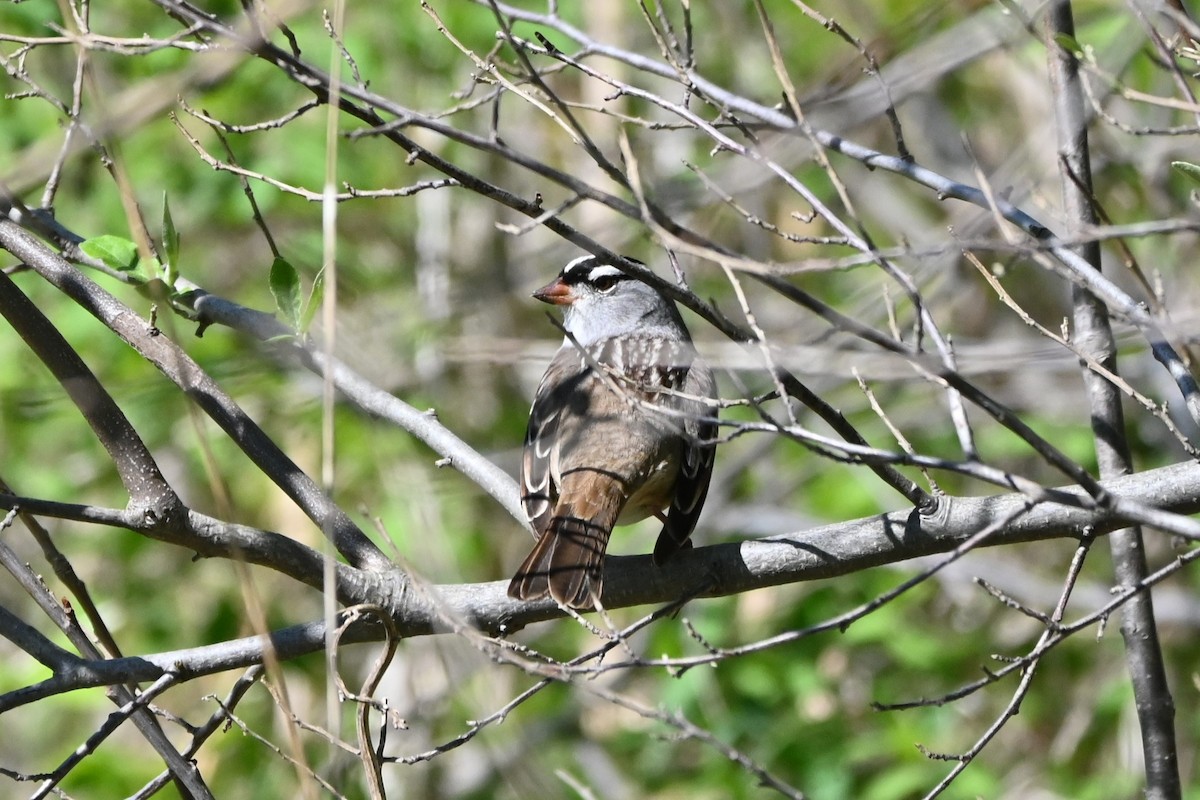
622	428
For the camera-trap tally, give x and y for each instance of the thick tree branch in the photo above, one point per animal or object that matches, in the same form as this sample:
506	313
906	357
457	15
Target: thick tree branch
716	570
1093	334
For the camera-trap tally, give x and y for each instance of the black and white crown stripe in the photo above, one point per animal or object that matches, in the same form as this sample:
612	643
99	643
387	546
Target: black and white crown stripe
591	270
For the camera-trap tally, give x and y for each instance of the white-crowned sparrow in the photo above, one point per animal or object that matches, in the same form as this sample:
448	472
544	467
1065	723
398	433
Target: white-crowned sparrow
619	431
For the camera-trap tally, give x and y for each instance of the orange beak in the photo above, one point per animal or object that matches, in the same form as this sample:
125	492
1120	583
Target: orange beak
556	293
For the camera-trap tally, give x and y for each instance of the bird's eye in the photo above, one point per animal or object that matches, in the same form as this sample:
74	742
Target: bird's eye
605	283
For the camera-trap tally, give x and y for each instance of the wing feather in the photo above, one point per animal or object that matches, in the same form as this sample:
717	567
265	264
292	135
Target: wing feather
539	491
699	451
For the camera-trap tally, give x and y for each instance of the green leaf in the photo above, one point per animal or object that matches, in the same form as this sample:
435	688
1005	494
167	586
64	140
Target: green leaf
113	251
170	242
285	286
1068	43
1191	170
314	301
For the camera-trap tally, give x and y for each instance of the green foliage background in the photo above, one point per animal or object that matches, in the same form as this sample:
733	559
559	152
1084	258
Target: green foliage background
473	347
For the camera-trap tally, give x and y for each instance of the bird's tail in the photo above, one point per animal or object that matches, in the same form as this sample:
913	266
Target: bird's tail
567	563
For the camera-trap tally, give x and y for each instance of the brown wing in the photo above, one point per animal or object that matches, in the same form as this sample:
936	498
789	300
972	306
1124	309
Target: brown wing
699	450
538	490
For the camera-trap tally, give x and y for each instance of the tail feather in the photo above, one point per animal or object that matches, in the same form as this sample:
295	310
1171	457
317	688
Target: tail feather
567	563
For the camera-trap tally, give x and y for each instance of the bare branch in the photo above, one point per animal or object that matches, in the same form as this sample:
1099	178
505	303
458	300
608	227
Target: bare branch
1155	707
721	569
